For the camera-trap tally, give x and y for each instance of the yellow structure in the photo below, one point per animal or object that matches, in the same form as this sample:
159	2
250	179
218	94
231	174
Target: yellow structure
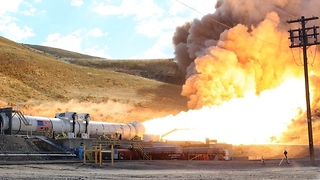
97	154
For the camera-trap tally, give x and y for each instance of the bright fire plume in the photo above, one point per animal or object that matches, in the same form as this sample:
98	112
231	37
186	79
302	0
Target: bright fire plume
251	119
244	84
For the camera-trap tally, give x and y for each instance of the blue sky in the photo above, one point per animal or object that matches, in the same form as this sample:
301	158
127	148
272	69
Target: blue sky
114	29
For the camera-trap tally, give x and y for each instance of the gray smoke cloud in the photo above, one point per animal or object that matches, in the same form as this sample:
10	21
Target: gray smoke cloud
242	46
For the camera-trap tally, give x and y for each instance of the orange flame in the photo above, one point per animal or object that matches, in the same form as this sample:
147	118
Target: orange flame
241	75
249	120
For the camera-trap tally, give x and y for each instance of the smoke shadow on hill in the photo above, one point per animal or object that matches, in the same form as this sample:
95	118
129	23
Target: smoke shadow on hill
165	97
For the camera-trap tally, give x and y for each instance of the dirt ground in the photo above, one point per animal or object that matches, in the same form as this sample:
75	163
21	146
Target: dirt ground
220	170
36	168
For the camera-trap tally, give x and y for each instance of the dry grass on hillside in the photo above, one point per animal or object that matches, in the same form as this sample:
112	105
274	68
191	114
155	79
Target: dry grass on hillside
40	84
59	53
164	70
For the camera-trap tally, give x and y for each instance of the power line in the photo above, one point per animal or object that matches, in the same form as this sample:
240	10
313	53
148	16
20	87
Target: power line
314	55
301	64
280	10
229	27
264	41
260	12
204	14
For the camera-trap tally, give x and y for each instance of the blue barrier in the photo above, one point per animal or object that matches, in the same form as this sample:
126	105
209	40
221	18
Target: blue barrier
80	153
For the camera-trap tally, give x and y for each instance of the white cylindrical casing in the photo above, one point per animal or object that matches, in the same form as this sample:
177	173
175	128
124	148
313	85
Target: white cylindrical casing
105	128
39	125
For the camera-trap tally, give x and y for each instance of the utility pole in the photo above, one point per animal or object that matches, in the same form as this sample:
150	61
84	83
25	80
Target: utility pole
299	38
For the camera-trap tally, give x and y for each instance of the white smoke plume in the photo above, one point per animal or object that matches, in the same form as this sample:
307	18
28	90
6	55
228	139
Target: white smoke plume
243	46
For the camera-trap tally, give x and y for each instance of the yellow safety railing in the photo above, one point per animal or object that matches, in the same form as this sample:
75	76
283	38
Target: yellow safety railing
98	154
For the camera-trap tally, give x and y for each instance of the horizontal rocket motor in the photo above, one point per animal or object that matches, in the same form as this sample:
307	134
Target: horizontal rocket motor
71	122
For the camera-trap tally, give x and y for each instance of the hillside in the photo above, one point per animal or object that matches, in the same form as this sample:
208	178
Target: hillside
46	81
164	70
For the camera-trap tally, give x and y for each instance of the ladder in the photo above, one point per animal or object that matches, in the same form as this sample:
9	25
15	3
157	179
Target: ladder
142	152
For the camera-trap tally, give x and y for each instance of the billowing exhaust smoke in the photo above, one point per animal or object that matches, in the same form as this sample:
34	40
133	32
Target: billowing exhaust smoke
243	83
243	46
